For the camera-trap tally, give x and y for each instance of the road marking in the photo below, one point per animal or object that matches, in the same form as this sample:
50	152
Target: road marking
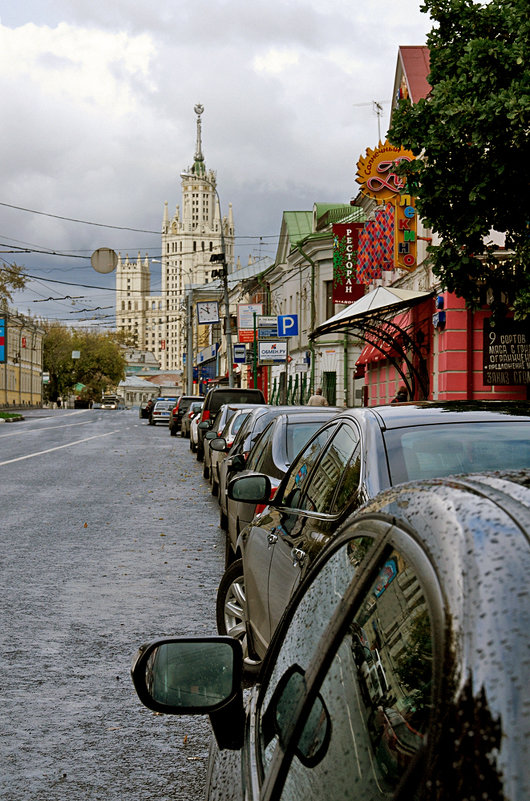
46	428
58	448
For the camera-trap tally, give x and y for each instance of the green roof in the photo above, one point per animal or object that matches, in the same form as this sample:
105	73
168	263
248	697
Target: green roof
299	224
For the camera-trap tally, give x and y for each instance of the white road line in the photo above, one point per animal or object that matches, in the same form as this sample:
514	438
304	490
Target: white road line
46	428
58	448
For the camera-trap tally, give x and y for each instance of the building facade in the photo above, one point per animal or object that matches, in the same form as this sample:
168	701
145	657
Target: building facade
194	233
20	361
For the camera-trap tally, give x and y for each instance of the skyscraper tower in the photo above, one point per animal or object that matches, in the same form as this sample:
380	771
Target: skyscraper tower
189	238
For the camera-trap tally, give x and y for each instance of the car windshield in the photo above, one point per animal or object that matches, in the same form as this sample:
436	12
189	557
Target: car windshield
443	450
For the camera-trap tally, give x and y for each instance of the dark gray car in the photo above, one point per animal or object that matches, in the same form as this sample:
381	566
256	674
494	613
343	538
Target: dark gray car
400	669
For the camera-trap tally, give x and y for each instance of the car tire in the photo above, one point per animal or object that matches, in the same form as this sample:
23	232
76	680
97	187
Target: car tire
223	519
230	611
205	472
200	454
215	485
172	431
193	447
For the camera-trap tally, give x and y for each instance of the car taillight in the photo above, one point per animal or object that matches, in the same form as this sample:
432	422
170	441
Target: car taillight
262	506
205	415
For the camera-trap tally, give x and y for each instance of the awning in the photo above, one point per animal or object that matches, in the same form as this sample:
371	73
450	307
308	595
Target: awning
379	349
381	301
375	318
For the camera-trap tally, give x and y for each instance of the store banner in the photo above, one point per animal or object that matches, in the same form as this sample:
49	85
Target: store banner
346	289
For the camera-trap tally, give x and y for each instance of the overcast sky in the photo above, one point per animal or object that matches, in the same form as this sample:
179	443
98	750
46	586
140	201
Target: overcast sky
98	121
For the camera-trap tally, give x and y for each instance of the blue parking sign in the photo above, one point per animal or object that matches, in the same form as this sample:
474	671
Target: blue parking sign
287	325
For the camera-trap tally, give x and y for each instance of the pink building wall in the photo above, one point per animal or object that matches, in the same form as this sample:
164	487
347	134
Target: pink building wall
454	359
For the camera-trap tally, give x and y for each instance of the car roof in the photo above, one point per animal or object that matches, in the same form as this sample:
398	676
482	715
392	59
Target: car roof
432	412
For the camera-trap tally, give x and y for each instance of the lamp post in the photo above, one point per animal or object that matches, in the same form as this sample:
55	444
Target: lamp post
221	257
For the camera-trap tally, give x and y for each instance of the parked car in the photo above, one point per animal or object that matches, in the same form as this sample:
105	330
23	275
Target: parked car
161	412
213	428
194	431
215	398
194	407
272	454
181	406
228	434
429	575
247	436
353	457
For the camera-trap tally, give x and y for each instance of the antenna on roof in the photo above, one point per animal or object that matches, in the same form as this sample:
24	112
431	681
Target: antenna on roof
377	106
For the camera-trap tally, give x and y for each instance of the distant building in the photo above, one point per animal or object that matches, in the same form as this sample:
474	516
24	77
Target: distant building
190	237
21	374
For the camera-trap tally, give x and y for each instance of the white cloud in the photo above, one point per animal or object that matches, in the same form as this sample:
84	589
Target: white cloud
98	119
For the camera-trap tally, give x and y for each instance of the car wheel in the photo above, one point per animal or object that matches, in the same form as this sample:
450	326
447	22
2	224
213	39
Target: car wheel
193	447
205	471
230	611
172	431
215	485
182	434
223	520
200	454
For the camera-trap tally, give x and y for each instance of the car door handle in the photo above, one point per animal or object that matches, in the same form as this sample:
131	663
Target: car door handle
298	556
272	538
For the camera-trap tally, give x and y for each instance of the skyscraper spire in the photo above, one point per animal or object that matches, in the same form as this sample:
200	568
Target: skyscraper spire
198	164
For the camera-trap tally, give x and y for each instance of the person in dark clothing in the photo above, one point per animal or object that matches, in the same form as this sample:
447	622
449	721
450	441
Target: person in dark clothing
402	395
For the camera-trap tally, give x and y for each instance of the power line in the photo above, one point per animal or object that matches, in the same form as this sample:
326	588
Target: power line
83	222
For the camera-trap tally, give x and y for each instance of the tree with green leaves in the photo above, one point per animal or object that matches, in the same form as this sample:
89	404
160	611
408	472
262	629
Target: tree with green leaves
101	363
471	137
11	279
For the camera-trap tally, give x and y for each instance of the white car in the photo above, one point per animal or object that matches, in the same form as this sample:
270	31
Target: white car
162	412
194	431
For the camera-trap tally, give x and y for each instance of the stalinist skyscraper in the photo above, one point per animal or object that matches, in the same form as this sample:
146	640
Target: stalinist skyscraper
189	237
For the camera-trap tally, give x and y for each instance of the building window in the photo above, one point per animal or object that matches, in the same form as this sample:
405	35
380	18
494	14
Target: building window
328	293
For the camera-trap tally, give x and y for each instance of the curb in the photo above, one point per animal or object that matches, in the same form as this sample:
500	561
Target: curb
11	419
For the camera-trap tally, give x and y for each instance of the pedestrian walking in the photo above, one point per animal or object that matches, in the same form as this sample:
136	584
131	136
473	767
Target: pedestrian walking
317	399
402	395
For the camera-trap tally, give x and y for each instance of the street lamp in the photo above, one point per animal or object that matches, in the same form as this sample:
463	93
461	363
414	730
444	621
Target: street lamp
221	257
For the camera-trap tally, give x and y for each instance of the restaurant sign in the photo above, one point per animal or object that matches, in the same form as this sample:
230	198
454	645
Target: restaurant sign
346	289
506	352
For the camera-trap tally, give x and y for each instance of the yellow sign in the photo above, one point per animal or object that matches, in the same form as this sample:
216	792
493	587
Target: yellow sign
376	172
405	233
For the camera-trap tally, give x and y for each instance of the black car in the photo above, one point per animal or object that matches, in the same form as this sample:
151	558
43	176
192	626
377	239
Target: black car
247	436
182	405
353	457
215	398
400	669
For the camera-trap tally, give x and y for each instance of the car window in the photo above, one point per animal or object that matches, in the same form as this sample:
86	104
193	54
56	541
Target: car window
297	434
441	450
300	470
310	619
375	699
238	422
332	469
257	460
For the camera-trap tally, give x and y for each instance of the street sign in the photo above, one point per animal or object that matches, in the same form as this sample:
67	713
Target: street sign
288	325
240	354
272	351
245	335
2	340
245	314
267	327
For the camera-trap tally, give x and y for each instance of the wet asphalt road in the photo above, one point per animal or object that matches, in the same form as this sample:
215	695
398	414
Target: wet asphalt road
105	543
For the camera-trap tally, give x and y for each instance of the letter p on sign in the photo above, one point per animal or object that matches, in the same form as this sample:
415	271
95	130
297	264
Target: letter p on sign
287	325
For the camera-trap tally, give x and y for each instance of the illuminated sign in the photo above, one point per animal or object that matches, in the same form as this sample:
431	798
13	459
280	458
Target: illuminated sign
405	233
346	288
376	172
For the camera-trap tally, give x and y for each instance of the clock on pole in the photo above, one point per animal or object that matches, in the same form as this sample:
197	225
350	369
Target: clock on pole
207	312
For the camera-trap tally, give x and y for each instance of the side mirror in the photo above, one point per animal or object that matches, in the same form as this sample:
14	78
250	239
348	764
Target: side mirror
205	425
250	489
210	435
217	443
194	676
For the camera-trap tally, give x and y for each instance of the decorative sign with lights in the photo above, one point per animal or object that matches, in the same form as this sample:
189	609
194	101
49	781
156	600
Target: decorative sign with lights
376	173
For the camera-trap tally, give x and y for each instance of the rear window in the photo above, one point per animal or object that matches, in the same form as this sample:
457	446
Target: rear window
217	398
164	405
443	450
